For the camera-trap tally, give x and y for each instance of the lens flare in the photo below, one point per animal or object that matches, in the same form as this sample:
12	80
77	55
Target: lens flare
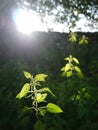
27	21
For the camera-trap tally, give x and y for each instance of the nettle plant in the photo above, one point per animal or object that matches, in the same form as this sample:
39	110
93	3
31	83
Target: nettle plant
71	67
38	95
73	38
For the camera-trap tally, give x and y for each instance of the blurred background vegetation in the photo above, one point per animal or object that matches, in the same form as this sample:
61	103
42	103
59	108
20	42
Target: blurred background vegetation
77	97
44	52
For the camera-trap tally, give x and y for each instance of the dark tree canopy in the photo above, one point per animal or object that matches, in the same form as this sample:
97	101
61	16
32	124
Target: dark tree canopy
65	10
62	10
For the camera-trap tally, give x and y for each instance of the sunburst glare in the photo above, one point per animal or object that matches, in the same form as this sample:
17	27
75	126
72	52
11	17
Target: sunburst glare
27	21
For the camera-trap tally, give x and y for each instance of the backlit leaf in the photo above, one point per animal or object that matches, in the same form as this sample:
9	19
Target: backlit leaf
83	40
76	60
47	90
80	75
40	77
86	42
68	74
78	97
63	74
18	95
83	89
77	69
73	37
53	108
24	91
43	112
27	74
63	68
41	97
67	58
67	67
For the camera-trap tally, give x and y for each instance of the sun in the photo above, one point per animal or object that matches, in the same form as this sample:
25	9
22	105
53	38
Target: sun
27	21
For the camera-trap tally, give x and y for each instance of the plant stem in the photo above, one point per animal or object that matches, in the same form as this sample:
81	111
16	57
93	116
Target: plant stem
36	103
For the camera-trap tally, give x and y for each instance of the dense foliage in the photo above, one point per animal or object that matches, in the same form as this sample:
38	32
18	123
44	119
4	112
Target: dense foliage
78	97
64	10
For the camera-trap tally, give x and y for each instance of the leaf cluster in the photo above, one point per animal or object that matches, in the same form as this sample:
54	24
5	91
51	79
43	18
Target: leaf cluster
71	66
73	38
38	95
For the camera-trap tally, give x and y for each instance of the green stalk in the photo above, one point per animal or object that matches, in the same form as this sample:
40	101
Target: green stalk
36	103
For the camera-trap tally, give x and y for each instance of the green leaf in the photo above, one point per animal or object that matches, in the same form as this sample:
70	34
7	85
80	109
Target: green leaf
43	112
68	74
23	111
83	40
40	77
80	75
83	89
53	108
76	60
26	108
63	74
41	97
63	68
67	58
70	56
18	95
73	37
24	91
87	95
67	67
27	74
78	97
47	90
77	69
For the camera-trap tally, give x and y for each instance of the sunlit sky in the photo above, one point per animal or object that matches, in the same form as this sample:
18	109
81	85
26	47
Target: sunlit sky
29	21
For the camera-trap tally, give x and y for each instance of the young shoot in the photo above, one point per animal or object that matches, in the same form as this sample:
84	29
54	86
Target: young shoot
38	95
71	66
